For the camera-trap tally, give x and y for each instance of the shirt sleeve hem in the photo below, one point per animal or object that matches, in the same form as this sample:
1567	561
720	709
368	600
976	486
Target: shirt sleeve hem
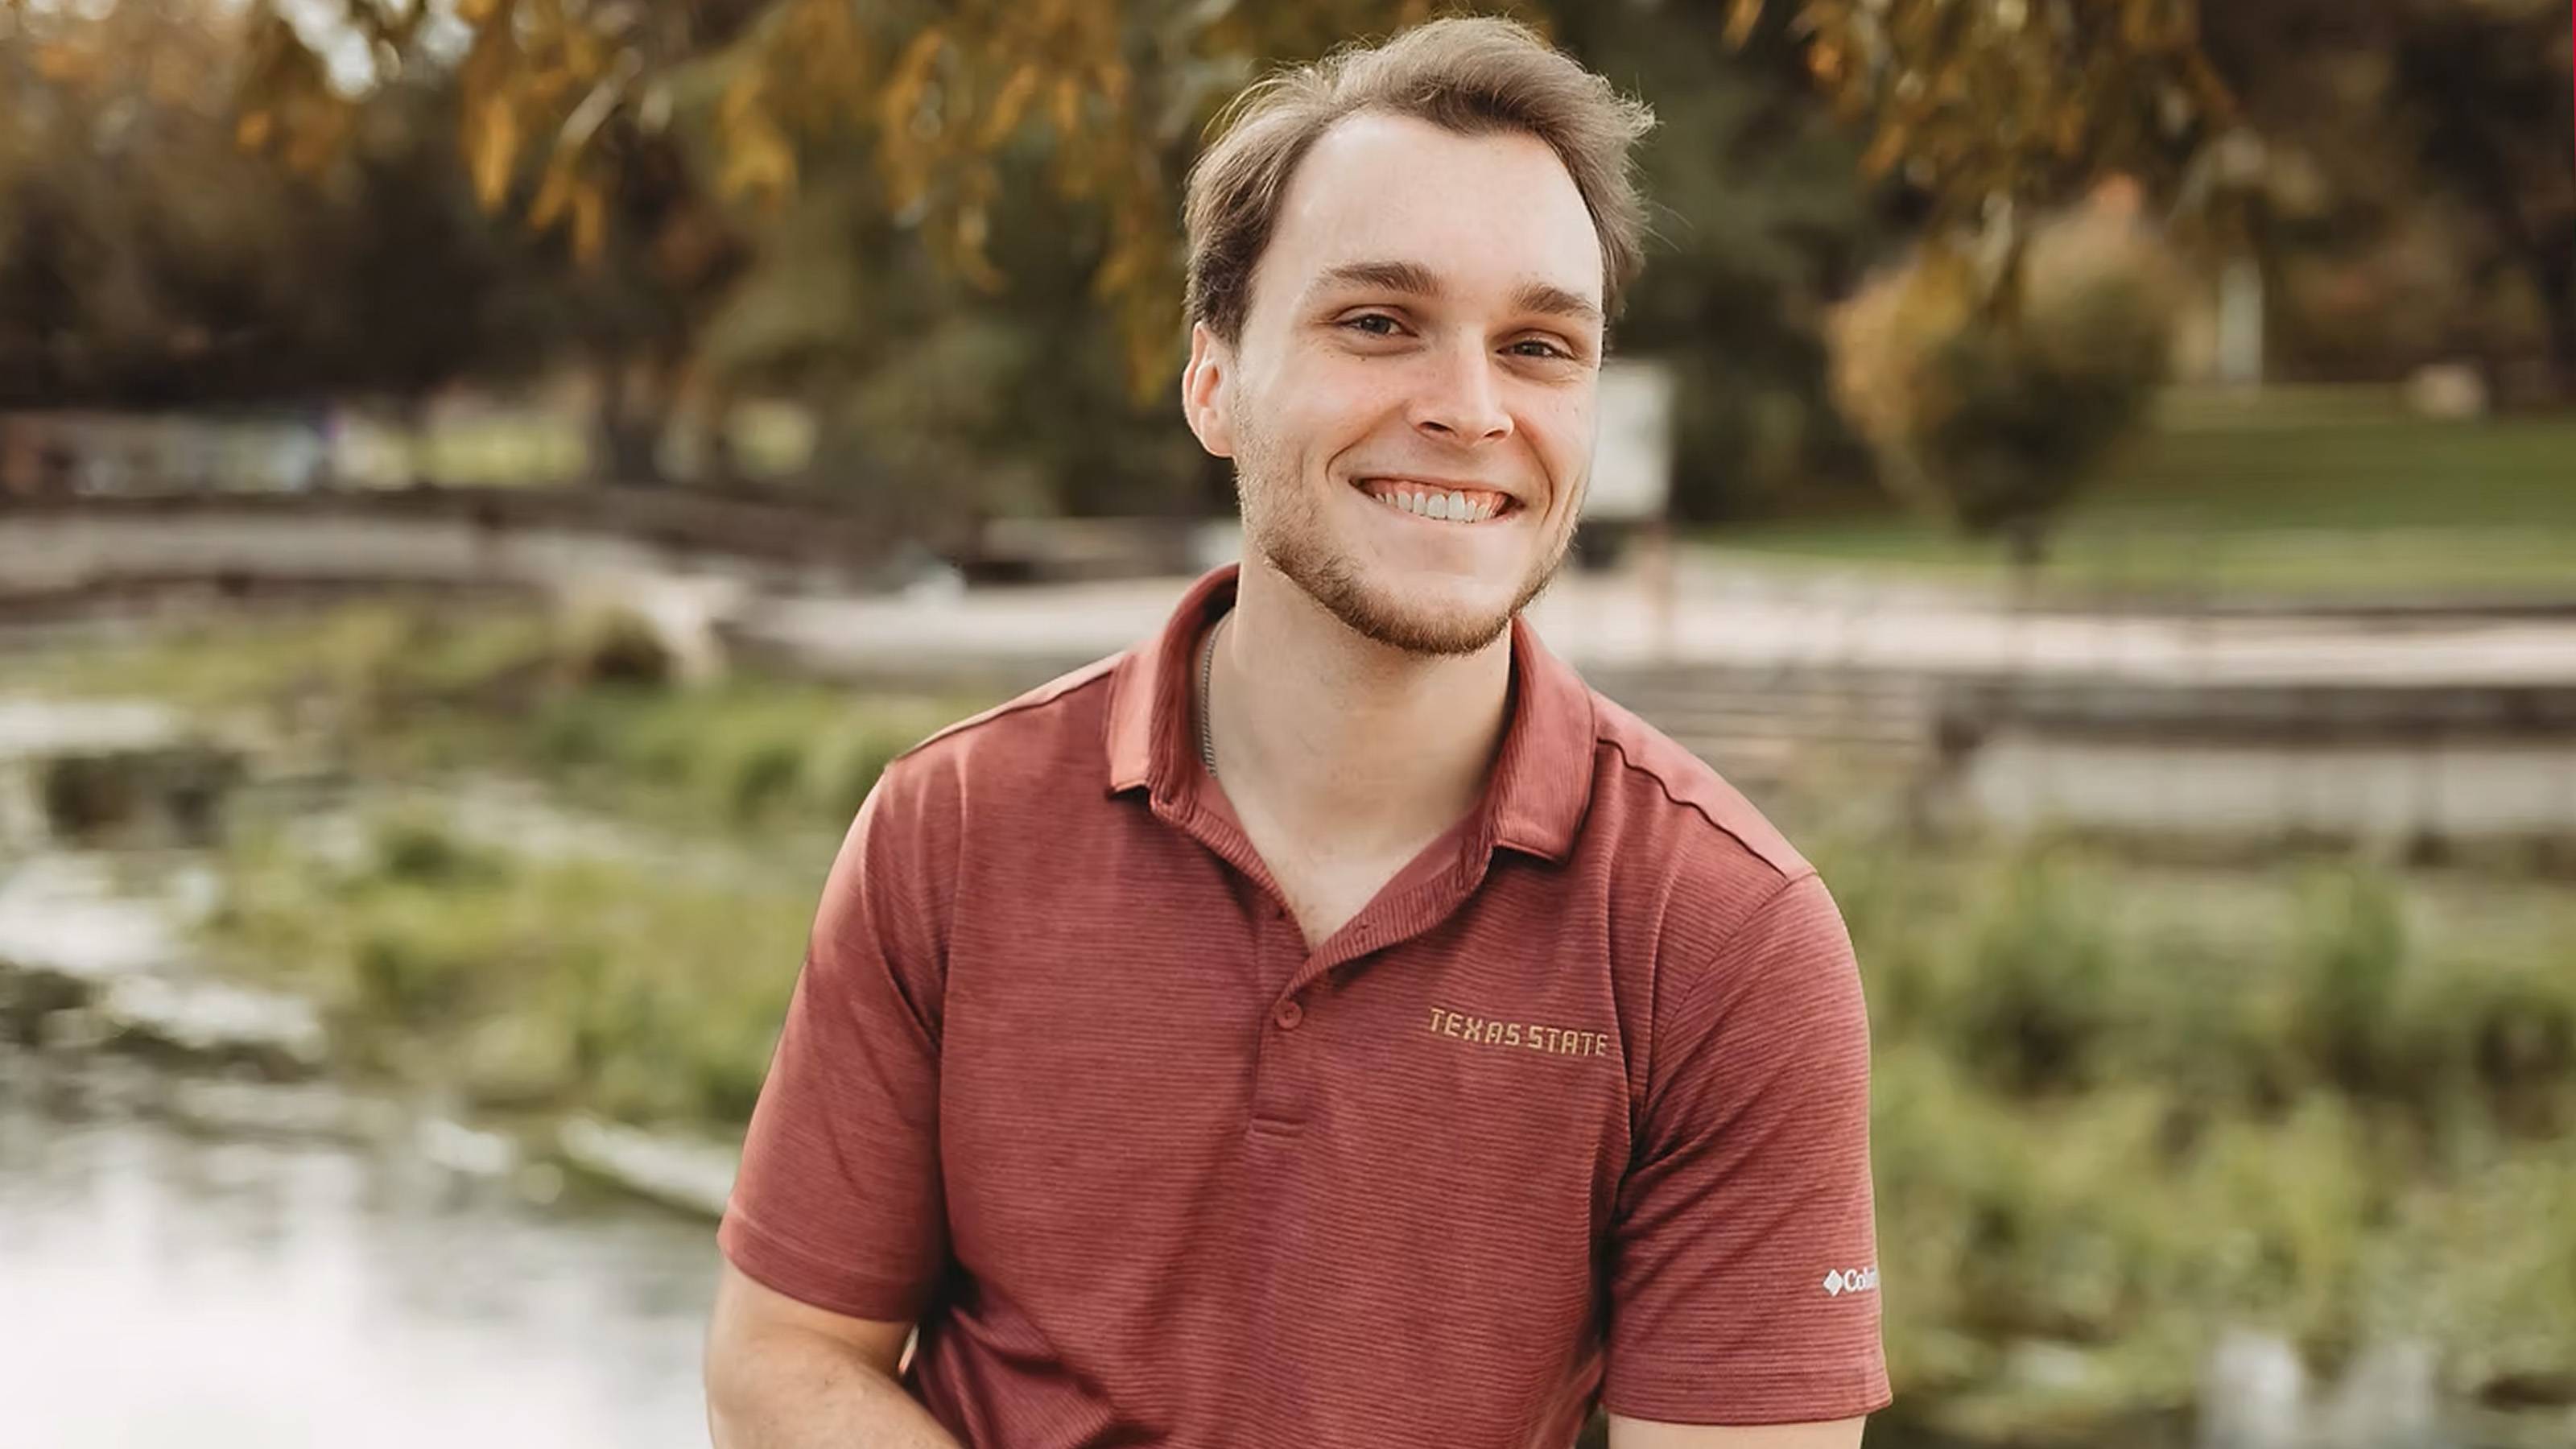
774	1263
1715	1393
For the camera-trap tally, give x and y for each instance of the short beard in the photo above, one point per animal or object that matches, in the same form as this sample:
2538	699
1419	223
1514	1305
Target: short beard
1280	522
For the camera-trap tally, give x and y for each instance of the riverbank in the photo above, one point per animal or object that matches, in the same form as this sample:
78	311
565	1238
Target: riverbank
2121	1112
303	1264
2126	1113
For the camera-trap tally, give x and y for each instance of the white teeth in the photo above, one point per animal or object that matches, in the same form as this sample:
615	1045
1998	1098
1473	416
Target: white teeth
1454	507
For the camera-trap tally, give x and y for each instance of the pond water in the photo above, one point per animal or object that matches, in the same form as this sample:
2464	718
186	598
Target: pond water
163	1282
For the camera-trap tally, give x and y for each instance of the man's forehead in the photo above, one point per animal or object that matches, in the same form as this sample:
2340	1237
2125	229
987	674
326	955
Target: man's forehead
1401	204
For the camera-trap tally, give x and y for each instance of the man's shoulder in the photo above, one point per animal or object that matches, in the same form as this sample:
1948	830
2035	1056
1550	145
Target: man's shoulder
1723	888
1070	701
1024	744
1656	794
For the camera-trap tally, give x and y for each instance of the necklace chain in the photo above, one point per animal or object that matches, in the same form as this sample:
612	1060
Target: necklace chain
1207	692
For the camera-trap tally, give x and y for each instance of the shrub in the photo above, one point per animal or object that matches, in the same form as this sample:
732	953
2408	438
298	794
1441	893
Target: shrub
2351	964
1990	405
614	646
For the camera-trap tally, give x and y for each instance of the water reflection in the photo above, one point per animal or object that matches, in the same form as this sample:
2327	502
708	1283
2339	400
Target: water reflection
161	1284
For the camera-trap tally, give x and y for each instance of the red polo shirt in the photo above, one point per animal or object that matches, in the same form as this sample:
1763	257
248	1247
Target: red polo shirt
1578	1104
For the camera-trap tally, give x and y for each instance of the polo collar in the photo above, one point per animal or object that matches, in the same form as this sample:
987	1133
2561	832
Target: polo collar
1534	799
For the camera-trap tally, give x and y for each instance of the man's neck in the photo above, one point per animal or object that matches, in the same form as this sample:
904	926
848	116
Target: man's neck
1349	744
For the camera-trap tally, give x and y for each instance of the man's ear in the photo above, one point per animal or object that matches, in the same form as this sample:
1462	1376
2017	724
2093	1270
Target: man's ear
1204	380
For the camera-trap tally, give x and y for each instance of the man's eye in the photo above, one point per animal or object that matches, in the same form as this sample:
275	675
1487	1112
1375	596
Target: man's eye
1545	349
1375	324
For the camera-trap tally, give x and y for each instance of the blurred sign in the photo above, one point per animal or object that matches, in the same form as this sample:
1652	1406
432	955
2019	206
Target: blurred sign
1632	461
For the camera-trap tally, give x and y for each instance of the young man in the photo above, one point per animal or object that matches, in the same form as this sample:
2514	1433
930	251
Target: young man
1330	1023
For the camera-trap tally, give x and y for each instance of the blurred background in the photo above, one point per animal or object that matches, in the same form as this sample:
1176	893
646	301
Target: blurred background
486	484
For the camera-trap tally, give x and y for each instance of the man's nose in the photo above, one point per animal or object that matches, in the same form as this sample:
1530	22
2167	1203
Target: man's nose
1460	399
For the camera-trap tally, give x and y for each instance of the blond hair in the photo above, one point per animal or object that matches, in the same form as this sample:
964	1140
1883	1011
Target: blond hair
1469	75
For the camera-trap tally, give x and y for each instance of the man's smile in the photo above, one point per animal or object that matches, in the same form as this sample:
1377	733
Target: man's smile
1448	503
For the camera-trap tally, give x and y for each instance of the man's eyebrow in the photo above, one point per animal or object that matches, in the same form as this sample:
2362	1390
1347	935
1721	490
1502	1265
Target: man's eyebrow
1411	278
1416	280
1556	302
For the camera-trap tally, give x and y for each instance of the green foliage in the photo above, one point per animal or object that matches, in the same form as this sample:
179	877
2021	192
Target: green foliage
527	983
747	753
414	849
393	691
1991	401
2352	956
2118	1110
618	648
1758	214
2020	104
2328	493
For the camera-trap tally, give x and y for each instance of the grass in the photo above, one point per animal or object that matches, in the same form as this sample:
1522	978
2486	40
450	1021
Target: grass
2335	505
2117	1112
2119	1108
521	984
391	692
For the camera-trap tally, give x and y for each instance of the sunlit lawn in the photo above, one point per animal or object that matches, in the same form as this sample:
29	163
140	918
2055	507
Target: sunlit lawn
2286	502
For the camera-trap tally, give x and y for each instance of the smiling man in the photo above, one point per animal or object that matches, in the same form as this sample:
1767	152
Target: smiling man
1330	1023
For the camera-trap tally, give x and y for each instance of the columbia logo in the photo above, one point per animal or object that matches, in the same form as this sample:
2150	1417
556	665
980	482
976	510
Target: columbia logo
1850	1280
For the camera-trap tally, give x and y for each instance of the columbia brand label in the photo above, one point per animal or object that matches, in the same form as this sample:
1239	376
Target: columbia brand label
1851	1280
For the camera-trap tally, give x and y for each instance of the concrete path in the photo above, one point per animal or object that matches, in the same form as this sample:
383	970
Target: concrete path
1726	617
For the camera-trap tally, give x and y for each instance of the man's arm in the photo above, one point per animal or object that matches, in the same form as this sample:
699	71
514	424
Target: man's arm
781	1374
1744	1287
1626	1433
836	1229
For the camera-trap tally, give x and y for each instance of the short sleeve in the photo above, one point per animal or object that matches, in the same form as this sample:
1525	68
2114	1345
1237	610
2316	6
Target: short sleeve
838	1201
1744	1278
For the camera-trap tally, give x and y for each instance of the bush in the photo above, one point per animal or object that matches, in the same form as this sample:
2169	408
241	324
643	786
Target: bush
762	777
616	647
528	983
417	850
2351	965
1990	405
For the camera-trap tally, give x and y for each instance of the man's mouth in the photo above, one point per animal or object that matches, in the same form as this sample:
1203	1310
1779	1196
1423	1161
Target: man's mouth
1447	505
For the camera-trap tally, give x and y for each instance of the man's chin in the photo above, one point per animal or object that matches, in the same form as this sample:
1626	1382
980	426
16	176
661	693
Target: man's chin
1419	617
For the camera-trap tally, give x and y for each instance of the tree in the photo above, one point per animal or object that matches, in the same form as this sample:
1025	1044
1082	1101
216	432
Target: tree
1993	421
1998	112
560	97
2420	195
2416	153
147	260
1759	221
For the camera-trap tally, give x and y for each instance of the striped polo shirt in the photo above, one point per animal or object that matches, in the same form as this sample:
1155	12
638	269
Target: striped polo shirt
1574	1110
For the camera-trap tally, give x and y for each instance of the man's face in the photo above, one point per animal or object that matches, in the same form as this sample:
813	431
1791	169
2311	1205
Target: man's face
1410	408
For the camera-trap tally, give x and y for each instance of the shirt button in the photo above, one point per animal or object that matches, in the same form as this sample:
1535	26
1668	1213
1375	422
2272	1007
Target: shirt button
1288	1015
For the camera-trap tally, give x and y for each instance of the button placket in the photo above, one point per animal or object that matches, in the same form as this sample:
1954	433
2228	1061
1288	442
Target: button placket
1279	1088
